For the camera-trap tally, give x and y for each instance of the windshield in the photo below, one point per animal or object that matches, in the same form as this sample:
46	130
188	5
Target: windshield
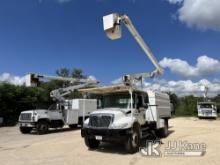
56	107
205	105
116	101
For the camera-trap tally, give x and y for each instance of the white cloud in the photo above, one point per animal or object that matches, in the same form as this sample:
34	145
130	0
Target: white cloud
93	78
205	66
181	87
185	87
8	78
202	14
117	81
175	1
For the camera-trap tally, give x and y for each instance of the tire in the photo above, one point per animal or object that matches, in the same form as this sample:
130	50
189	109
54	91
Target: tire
163	132
25	130
42	127
91	143
133	142
72	126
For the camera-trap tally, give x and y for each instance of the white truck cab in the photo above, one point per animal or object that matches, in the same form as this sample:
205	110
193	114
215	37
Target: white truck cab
207	109
126	115
71	112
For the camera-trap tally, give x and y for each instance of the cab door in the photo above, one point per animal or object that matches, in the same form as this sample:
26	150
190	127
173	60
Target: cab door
140	109
55	113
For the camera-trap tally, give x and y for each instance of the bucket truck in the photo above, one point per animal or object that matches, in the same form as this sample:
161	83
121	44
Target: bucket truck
65	112
126	113
206	109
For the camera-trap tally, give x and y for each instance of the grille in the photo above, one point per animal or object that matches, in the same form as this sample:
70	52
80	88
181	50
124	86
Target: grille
25	116
207	112
102	121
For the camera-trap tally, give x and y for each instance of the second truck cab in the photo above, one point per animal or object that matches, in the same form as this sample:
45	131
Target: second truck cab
207	110
71	112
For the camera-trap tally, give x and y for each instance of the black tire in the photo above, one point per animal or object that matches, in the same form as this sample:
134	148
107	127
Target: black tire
163	132
133	142
25	130
42	127
72	126
91	143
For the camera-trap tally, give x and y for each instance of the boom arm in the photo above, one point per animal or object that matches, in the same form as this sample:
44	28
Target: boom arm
58	94
206	88
112	26
33	79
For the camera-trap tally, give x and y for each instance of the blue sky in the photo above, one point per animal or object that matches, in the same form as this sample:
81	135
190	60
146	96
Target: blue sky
43	35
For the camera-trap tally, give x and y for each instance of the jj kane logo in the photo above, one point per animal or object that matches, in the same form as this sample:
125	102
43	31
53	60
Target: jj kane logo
173	148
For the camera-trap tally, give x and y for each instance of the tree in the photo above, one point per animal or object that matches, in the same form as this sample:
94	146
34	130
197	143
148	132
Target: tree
63	72
216	99
174	100
187	106
14	99
78	73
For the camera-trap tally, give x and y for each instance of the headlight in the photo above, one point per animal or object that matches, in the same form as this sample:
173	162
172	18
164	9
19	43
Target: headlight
118	125
86	123
33	118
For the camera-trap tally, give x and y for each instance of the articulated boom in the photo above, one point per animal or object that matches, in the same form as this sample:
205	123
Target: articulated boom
112	27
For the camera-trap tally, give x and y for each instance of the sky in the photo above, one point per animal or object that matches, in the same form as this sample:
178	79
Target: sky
41	36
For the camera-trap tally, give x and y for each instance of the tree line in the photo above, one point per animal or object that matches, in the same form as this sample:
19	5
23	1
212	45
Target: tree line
14	99
187	105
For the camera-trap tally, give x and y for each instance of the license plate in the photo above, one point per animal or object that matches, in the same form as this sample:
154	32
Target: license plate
24	124
98	137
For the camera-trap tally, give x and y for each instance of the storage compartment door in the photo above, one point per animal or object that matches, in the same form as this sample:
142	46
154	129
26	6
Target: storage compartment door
72	116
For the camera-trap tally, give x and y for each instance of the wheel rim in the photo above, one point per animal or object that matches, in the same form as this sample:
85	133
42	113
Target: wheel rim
134	139
43	127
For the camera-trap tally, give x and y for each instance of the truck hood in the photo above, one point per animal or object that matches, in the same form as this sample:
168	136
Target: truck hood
112	111
36	110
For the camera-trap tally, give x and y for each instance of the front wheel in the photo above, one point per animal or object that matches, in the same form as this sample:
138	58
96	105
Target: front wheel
132	144
91	143
163	132
25	130
42	127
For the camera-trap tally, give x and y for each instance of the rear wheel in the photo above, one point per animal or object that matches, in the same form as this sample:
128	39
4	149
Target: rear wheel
91	143
25	130
133	142
42	127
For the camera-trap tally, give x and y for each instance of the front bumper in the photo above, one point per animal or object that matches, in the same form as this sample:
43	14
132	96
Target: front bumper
106	134
27	124
207	115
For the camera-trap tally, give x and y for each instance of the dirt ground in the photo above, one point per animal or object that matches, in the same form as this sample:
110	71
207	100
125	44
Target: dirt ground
67	147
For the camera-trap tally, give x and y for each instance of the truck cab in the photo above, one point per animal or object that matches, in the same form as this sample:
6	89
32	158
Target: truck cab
71	112
125	115
207	109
